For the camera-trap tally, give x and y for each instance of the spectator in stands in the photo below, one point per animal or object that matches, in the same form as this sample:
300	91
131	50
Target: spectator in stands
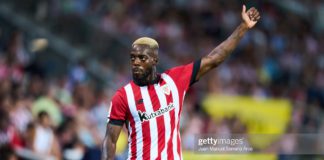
49	104
8	134
72	148
43	140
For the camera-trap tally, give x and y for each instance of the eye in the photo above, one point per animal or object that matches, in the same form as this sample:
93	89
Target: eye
132	58
142	58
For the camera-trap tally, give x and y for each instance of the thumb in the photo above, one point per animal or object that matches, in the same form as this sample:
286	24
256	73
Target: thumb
243	9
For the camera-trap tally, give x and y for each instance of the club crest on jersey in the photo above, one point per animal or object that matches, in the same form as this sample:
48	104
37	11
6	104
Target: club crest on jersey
145	117
166	89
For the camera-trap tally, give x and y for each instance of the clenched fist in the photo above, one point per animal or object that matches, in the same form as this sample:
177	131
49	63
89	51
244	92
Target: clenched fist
250	17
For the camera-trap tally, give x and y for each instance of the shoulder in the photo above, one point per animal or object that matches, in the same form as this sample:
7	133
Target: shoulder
179	69
120	94
181	72
122	90
185	75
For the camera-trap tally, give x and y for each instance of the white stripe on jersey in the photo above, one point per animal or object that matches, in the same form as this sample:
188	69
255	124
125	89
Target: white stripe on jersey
153	124
109	111
175	97
183	97
163	102
138	123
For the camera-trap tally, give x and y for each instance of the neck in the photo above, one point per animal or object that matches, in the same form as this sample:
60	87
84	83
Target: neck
152	76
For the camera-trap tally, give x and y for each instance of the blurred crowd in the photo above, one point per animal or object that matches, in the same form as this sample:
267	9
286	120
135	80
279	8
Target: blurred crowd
41	117
282	57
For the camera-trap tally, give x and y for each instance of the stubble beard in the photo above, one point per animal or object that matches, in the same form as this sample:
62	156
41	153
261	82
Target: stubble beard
143	78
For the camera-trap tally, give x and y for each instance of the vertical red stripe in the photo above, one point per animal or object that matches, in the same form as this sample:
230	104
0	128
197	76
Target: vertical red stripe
170	144
161	136
133	138
172	120
159	120
145	124
181	99
178	140
133	134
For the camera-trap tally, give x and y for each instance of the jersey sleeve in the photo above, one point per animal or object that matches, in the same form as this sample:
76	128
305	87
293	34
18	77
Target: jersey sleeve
185	75
118	109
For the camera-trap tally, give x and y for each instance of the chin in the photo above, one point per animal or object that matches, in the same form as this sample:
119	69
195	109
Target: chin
138	77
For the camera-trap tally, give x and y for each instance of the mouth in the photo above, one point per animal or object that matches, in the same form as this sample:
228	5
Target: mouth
137	71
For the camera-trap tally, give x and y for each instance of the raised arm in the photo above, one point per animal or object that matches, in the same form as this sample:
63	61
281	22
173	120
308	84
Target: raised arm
218	55
109	144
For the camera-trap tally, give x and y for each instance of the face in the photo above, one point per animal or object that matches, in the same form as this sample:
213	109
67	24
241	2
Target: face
143	60
46	121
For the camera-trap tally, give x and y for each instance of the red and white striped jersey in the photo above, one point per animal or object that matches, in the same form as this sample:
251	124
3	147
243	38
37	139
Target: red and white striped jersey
152	113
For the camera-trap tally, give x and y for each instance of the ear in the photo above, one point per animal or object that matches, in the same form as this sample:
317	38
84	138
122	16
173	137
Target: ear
156	60
155	56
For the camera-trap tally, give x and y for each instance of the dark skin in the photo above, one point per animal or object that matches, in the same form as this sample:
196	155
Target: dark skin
143	64
144	60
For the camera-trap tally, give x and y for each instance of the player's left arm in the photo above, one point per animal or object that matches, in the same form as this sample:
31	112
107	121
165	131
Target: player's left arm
218	55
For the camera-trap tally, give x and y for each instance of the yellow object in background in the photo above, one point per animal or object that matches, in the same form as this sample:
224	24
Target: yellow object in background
192	156
261	116
121	143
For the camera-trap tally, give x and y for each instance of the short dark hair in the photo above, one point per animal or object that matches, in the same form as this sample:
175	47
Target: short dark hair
42	114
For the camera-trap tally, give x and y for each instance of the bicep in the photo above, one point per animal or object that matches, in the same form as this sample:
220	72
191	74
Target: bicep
218	54
207	63
109	145
113	131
